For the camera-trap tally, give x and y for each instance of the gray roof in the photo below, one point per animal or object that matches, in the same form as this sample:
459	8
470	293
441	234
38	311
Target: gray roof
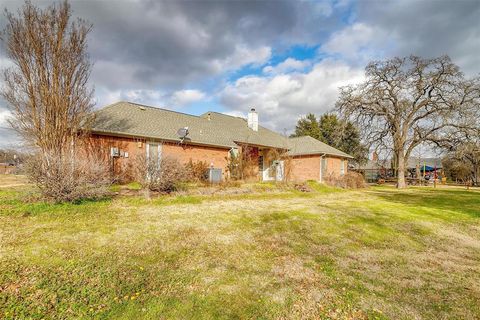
210	128
307	145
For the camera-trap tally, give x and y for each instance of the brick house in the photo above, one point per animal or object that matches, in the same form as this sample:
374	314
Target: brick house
126	130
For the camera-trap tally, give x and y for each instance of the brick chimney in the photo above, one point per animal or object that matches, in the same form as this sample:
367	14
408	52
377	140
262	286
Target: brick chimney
252	119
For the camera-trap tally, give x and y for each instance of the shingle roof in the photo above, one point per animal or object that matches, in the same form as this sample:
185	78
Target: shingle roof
210	128
307	145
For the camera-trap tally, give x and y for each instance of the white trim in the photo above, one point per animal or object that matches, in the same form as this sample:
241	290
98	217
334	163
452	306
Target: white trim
322	158
265	169
280	171
159	149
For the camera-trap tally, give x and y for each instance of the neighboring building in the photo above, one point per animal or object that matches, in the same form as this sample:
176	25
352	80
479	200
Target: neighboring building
7	168
384	168
128	130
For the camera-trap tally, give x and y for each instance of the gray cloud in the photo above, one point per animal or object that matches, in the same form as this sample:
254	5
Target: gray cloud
169	44
429	28
377	30
149	50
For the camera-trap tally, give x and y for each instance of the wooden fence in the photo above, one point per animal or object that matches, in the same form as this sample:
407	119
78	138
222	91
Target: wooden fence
6	169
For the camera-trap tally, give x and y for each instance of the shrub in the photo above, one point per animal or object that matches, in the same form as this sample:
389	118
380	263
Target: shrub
68	179
197	171
302	187
350	180
165	175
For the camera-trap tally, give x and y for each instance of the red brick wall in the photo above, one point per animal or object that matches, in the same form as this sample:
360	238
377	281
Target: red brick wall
305	168
302	167
333	166
136	147
308	167
185	153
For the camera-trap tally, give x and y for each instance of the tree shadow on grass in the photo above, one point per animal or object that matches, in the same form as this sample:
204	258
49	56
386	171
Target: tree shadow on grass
455	200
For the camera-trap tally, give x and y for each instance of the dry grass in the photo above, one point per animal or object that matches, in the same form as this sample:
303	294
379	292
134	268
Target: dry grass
375	253
11	181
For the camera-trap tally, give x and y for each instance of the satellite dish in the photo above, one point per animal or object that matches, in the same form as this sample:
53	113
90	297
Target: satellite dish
182	132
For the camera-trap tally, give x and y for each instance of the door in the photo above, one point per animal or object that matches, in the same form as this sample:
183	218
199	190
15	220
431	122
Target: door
268	172
280	171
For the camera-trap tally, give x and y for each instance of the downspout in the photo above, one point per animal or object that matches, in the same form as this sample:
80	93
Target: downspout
320	166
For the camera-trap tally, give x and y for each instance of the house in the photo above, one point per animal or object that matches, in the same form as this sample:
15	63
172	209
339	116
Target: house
128	130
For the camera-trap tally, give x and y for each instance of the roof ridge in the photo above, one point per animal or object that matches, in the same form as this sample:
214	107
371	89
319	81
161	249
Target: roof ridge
223	114
241	118
305	136
110	105
158	108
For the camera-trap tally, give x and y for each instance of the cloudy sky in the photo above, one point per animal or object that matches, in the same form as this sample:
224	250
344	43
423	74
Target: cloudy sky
286	58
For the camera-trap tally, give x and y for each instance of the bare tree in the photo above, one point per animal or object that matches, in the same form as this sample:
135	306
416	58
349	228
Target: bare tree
408	101
463	148
46	89
163	175
47	92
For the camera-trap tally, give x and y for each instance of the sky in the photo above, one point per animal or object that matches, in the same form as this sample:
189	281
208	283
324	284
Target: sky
285	58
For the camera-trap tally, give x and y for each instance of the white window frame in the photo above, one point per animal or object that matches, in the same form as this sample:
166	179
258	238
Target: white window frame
342	167
159	150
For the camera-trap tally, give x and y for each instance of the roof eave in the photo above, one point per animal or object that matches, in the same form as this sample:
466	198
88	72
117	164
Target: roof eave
131	135
320	153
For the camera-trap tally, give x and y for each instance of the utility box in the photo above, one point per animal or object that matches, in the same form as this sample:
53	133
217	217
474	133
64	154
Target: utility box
114	152
214	175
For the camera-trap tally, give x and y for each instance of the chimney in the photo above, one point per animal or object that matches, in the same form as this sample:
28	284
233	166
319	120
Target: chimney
252	120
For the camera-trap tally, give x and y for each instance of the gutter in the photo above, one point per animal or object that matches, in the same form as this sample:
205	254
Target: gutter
126	135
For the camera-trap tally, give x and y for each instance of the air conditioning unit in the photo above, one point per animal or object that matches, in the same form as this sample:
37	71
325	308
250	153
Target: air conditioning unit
114	152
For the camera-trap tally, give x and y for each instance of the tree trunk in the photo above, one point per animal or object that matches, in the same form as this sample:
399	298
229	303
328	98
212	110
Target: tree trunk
400	170
475	173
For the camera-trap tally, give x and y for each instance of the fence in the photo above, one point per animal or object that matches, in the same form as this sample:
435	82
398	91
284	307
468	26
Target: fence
6	169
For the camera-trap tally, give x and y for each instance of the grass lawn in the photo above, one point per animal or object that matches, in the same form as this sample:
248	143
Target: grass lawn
377	253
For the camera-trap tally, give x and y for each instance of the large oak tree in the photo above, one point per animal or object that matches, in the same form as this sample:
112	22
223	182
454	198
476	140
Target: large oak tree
404	102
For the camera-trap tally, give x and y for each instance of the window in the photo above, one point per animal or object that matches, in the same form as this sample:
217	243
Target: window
272	169
154	152
260	164
342	167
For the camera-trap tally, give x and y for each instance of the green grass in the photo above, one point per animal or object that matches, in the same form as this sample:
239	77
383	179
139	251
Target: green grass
378	253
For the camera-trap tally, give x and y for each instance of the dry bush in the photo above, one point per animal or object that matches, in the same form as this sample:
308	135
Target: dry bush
350	180
273	154
244	164
69	178
165	175
197	171
302	187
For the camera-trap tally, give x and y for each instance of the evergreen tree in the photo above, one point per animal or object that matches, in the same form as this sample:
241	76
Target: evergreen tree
334	132
307	126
